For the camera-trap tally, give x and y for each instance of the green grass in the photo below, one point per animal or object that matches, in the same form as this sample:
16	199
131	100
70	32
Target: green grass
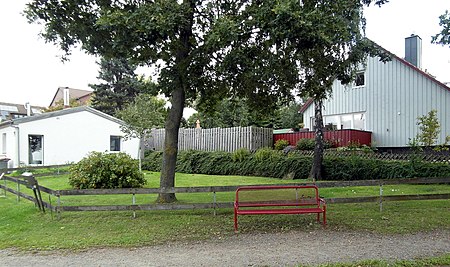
23	227
427	262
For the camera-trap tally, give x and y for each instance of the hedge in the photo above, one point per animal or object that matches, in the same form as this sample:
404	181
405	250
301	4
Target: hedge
278	165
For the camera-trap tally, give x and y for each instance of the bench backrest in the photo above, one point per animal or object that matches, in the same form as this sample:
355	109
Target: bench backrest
277	195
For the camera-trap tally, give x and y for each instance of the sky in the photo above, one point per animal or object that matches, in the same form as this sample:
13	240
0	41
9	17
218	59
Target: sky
31	70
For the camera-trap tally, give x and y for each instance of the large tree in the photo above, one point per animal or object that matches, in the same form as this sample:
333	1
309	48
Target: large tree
443	37
339	50
203	50
119	87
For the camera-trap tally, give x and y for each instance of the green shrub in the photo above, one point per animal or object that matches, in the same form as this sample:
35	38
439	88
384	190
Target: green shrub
281	144
273	163
305	144
328	143
240	154
266	154
106	170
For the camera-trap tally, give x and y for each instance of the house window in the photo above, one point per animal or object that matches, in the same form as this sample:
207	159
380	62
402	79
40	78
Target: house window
114	143
345	121
35	149
360	79
4	143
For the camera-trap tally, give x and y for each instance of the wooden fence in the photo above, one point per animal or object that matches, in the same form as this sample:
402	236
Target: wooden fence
382	156
215	139
340	137
213	204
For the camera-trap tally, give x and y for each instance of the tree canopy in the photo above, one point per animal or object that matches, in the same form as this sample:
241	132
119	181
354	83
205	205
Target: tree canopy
120	85
205	51
236	112
443	37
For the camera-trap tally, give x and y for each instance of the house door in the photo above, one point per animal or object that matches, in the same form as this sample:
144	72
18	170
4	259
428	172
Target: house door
35	149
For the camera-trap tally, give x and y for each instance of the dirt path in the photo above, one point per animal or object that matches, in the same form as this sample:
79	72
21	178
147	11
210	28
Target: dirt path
250	250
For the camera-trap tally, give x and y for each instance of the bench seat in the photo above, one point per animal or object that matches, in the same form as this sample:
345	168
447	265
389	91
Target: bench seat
280	211
267	205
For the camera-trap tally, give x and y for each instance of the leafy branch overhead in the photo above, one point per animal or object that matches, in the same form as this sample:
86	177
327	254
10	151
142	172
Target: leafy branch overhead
443	37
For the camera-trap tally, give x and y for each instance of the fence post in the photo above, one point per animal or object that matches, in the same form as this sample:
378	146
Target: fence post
381	197
134	202
4	189
214	202
58	204
18	191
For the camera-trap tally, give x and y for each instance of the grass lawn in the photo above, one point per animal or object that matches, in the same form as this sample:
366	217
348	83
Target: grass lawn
22	226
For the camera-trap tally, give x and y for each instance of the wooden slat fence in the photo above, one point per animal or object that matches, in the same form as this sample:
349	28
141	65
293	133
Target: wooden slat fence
215	139
213	189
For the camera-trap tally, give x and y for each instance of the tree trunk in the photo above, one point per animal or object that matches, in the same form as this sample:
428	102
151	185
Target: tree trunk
178	100
167	178
316	170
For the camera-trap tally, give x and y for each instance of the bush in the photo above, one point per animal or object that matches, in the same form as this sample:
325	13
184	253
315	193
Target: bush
240	154
272	163
266	154
305	144
281	144
106	171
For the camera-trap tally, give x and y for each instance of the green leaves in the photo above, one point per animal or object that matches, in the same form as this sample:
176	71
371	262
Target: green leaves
145	113
443	37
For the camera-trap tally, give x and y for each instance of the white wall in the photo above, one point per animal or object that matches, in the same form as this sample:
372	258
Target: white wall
394	96
69	138
11	145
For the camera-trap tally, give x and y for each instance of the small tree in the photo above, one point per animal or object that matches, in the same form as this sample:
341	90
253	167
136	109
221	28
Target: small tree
429	129
59	105
145	113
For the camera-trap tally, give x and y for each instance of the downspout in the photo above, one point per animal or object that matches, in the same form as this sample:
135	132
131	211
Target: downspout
18	144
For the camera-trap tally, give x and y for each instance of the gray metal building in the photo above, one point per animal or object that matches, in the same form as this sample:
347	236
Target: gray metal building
386	99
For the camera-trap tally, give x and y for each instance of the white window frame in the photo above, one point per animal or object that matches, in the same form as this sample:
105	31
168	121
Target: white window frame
352	123
363	73
120	143
4	143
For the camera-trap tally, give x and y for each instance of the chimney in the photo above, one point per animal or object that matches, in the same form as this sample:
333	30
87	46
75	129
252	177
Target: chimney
28	108
66	97
413	50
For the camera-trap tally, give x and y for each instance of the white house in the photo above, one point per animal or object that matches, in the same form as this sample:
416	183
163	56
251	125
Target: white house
386	99
63	136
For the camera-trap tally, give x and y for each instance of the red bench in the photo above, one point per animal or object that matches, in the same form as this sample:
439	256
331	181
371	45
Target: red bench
287	199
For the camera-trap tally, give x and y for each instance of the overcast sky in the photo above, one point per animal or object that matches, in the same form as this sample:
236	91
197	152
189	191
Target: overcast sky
31	70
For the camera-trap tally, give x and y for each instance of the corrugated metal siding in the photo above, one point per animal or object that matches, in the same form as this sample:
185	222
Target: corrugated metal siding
394	96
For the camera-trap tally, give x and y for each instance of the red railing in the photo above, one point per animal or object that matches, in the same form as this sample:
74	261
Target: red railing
341	137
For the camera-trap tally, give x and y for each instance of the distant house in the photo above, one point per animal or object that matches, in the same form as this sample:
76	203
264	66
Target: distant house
9	111
63	136
64	94
386	99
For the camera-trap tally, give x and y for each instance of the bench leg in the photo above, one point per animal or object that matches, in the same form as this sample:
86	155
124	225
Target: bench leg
318	217
235	221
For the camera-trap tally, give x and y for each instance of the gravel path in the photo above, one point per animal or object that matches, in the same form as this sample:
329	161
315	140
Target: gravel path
285	249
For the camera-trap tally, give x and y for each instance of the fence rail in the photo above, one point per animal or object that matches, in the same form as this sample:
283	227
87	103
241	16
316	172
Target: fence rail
215	139
214	189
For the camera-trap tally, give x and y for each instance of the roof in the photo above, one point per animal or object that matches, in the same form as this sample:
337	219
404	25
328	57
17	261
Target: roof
60	113
427	75
73	94
20	107
10	110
